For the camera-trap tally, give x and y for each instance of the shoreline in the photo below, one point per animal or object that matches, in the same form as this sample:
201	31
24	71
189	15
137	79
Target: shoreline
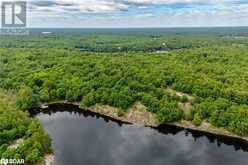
133	117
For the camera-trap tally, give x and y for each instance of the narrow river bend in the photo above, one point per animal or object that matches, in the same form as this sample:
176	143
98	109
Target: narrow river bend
85	138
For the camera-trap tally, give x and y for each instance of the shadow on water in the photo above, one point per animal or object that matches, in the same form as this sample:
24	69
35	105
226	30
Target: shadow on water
73	109
238	144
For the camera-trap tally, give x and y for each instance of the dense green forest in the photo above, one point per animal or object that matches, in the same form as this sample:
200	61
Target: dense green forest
119	70
17	126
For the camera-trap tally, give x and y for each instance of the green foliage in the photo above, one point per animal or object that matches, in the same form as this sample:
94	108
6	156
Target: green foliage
184	99
197	120
16	125
34	156
120	112
89	100
150	101
188	115
26	98
169	112
44	95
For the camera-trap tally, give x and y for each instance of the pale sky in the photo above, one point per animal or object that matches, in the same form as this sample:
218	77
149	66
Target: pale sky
136	13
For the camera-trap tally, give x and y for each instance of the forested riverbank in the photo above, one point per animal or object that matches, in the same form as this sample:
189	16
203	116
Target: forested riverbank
198	83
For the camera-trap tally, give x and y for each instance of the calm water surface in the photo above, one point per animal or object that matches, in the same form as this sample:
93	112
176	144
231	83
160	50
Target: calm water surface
88	139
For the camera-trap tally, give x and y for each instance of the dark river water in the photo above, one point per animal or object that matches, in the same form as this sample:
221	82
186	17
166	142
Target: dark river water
89	139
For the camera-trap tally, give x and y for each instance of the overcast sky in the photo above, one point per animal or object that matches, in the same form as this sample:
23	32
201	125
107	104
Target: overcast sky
137	13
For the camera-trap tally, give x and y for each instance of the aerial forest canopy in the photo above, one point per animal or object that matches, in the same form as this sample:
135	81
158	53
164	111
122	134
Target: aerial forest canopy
207	70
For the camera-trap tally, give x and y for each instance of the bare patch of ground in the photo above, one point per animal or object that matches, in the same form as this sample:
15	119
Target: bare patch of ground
16	144
183	106
137	114
49	160
180	94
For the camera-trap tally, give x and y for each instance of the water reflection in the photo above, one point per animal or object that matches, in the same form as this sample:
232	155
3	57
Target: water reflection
81	137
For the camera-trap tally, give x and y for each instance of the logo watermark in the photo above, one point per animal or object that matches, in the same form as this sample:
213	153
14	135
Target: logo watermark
14	18
12	161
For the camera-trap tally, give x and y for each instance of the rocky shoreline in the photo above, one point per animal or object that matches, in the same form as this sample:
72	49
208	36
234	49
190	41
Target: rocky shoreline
151	122
138	114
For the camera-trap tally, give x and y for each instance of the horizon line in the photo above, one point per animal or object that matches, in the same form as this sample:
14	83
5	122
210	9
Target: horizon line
246	26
